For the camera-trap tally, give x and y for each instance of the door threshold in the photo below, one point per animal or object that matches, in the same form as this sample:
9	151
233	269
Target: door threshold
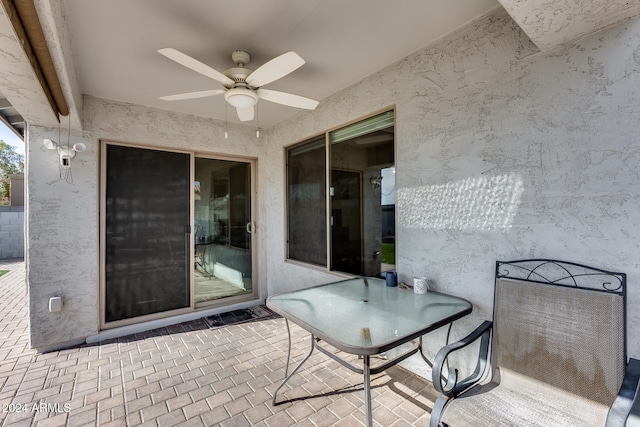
109	334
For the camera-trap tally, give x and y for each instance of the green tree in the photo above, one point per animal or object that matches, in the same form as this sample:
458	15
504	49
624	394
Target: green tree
11	162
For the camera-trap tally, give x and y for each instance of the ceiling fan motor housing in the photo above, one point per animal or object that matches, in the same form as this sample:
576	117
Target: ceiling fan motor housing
240	73
237	74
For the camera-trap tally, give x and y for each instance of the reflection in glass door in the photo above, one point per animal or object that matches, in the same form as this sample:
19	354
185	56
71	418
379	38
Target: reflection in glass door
362	196
222	229
346	221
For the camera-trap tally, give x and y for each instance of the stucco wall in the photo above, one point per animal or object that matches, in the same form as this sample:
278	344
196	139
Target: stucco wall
63	241
62	251
502	153
16	191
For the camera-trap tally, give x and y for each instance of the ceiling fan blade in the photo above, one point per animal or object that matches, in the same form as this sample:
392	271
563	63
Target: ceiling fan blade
195	65
192	95
287	99
245	114
277	68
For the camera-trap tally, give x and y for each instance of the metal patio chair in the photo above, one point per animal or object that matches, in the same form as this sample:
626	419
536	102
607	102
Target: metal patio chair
554	355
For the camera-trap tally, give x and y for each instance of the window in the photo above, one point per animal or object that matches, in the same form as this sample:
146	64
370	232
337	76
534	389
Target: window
307	204
341	213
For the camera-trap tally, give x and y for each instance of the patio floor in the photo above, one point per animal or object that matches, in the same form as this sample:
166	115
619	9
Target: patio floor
188	375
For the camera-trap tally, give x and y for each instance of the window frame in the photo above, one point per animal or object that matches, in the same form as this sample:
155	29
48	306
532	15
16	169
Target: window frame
327	266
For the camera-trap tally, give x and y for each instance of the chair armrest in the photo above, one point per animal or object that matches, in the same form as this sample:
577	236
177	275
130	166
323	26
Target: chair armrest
625	410
454	387
634	415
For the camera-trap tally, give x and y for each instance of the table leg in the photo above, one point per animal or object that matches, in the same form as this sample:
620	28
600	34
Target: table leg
286	368
313	345
367	389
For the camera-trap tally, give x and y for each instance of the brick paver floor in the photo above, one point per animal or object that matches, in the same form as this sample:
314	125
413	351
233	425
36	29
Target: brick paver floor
188	375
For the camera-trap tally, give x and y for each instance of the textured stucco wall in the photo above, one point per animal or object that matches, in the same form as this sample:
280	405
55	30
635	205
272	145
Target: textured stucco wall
502	153
552	22
63	251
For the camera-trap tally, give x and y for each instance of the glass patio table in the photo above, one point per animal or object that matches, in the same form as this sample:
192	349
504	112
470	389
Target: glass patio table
364	317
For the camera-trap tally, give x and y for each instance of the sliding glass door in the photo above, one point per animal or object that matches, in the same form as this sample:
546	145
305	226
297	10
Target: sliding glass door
222	230
362	199
146	231
177	233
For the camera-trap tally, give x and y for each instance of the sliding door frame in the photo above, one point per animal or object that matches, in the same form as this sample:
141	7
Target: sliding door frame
103	241
255	293
255	288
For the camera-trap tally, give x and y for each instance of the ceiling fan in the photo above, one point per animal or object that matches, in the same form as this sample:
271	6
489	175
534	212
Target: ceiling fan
242	86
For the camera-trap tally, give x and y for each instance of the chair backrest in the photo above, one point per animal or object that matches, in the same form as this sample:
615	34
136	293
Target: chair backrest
563	324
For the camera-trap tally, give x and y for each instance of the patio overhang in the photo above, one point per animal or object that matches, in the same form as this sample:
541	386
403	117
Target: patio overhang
29	79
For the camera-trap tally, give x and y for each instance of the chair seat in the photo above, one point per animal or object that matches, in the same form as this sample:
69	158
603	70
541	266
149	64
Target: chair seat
516	400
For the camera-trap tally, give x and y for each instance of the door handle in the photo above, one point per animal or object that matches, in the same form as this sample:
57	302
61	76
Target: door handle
250	227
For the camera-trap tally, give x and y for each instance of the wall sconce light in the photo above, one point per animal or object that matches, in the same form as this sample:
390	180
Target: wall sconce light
65	153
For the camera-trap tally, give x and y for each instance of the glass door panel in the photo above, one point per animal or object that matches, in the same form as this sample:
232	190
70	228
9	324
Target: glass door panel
346	221
222	229
362	196
147	214
307	202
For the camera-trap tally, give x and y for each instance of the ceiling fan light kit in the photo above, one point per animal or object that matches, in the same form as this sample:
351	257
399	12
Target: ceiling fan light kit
242	86
241	97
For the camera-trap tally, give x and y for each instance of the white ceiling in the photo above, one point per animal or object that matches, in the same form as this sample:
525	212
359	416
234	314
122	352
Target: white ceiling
115	44
108	48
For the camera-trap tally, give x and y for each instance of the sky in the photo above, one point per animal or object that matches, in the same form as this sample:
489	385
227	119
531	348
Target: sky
8	136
